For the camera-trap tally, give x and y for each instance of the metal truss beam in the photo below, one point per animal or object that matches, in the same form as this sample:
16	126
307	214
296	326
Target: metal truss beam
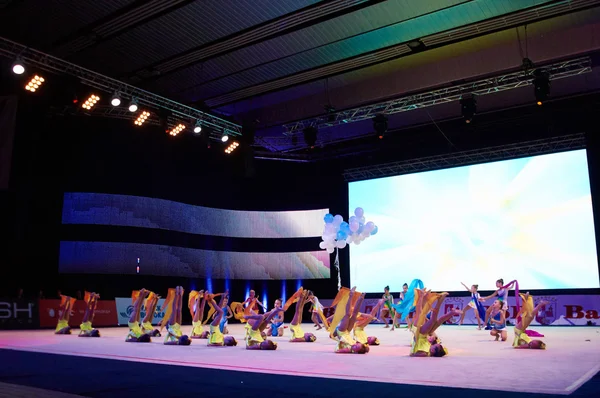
509	81
512	151
95	80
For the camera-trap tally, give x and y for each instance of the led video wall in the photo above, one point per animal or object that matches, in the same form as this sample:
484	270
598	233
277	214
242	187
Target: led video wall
284	231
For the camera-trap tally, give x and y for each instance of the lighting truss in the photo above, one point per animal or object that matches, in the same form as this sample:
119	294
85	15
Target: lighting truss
559	70
92	79
119	112
512	151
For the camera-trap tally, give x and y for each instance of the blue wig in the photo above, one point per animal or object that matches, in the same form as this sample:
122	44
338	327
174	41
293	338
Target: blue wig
407	305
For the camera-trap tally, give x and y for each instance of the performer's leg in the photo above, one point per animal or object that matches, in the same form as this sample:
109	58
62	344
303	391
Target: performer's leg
462	317
135	331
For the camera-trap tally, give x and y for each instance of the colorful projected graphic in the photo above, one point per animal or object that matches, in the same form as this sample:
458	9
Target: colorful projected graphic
121	258
137	211
528	219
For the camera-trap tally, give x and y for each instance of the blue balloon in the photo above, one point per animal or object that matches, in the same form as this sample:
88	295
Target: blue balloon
361	227
344	226
341	235
374	231
328	218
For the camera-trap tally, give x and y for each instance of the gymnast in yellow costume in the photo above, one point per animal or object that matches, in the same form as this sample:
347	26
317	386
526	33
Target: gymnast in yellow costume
524	317
255	331
196	303
86	329
361	323
425	342
174	335
343	321
136	334
150	304
298	335
216	338
64	314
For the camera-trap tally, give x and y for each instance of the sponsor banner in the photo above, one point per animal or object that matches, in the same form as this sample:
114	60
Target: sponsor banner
125	308
105	315
18	314
562	310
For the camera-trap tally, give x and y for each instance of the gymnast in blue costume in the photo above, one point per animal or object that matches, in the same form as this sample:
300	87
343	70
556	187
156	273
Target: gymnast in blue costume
407	305
275	329
475	303
498	321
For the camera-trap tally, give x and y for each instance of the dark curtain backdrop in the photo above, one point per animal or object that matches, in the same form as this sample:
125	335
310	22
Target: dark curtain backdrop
8	115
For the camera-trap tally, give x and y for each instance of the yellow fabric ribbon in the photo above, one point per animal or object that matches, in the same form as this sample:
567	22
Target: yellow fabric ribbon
168	307
340	308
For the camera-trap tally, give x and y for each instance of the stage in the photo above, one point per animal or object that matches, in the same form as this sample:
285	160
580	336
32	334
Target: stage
475	360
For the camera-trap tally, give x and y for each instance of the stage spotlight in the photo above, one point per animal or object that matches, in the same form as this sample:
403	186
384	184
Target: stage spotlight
310	136
380	125
468	108
541	85
141	118
178	129
232	147
133	106
115	100
34	83
224	138
90	102
198	127
18	68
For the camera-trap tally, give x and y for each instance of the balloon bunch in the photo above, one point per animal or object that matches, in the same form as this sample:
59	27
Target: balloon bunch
338	233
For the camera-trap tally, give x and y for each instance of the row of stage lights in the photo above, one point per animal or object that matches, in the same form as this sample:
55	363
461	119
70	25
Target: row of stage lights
37	81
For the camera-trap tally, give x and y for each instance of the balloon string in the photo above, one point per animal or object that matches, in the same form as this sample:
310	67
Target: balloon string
336	264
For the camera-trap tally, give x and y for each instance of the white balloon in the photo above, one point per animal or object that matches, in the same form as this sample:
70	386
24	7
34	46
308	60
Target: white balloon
357	242
330	228
330	250
341	244
322	245
337	220
350	239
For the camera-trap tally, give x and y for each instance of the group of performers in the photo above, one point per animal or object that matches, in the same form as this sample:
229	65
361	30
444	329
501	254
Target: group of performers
419	307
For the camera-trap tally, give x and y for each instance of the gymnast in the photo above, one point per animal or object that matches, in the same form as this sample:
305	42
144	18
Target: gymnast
216	338
86	330
524	318
150	304
136	334
349	313
225	318
174	335
426	321
502	294
257	324
405	309
253	302
298	335
315	309
275	327
361	323
64	314
387	311
196	303
498	321
475	304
